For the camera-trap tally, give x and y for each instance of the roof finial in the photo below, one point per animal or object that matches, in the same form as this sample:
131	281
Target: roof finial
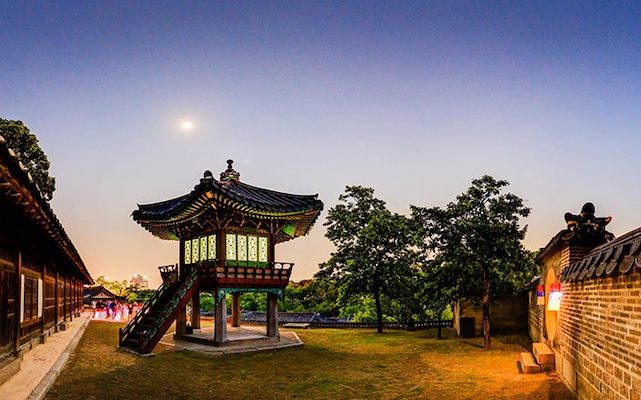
230	174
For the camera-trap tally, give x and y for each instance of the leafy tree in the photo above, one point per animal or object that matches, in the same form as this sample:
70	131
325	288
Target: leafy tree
25	145
119	288
476	241
373	252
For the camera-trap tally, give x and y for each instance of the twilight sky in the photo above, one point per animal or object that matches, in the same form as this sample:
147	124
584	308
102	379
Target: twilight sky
413	99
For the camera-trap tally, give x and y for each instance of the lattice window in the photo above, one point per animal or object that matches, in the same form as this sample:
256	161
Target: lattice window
230	244
195	250
262	249
212	247
203	248
241	252
187	251
30	298
252	248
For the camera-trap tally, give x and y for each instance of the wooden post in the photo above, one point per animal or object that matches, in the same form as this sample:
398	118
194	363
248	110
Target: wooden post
57	302
181	258
195	310
220	321
235	310
64	298
272	316
71	302
181	321
44	298
18	301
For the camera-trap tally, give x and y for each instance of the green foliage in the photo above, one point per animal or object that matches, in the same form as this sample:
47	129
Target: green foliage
253	301
138	295
119	288
207	301
473	247
373	254
25	145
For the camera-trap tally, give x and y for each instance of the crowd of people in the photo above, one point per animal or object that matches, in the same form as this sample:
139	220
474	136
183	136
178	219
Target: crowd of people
114	310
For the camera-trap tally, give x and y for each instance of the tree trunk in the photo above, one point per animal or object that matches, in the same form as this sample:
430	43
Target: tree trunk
379	308
440	314
486	309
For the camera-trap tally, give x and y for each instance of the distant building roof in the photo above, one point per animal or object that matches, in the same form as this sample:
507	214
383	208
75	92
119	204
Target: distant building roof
99	293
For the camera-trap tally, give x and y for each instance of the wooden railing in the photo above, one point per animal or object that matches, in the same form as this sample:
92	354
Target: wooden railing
168	272
233	271
165	318
158	294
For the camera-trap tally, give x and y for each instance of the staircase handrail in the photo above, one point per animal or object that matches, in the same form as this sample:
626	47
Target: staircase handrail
185	284
123	332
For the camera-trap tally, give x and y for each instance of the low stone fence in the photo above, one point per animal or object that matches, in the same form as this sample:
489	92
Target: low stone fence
363	325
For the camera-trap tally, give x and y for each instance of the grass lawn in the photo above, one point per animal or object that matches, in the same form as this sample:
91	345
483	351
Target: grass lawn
333	364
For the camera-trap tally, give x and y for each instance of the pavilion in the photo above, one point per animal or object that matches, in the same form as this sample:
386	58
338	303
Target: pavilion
227	231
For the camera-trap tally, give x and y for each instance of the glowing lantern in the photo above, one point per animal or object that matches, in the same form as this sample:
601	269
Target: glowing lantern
540	295
554	301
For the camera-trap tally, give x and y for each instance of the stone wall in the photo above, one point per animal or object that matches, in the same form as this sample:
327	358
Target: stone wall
507	315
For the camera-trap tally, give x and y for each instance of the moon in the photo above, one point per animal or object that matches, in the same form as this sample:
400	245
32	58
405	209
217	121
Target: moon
186	125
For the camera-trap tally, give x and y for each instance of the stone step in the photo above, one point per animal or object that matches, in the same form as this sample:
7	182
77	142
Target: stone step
9	366
543	355
528	364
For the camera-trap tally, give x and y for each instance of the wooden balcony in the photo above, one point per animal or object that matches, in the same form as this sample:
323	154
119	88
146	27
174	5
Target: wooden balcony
223	273
238	274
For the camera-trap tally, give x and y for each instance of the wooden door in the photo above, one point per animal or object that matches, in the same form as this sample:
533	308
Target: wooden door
7	310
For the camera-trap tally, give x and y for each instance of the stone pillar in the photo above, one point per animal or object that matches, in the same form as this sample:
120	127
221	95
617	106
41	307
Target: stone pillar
181	321
235	310
272	316
220	322
195	310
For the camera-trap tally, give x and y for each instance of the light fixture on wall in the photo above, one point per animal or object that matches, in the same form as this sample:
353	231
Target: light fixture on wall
540	295
554	300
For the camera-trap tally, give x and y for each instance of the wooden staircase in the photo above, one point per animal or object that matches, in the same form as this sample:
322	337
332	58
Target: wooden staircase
146	329
540	360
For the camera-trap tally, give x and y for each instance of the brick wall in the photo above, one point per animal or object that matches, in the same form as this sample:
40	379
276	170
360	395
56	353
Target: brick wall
598	336
599	340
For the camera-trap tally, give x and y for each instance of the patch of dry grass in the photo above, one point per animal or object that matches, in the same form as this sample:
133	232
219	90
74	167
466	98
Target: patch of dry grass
333	364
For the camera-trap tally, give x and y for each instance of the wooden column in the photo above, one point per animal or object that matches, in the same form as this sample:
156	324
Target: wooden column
44	298
220	321
181	257
235	310
195	310
18	301
181	321
272	316
57	302
64	298
71	305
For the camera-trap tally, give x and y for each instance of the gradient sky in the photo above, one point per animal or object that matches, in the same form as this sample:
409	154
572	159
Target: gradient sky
413	99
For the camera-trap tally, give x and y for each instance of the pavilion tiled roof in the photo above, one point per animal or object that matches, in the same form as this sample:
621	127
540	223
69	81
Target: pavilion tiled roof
255	199
228	192
17	184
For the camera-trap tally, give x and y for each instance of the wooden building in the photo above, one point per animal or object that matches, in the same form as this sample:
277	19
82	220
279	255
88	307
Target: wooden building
227	232
41	272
